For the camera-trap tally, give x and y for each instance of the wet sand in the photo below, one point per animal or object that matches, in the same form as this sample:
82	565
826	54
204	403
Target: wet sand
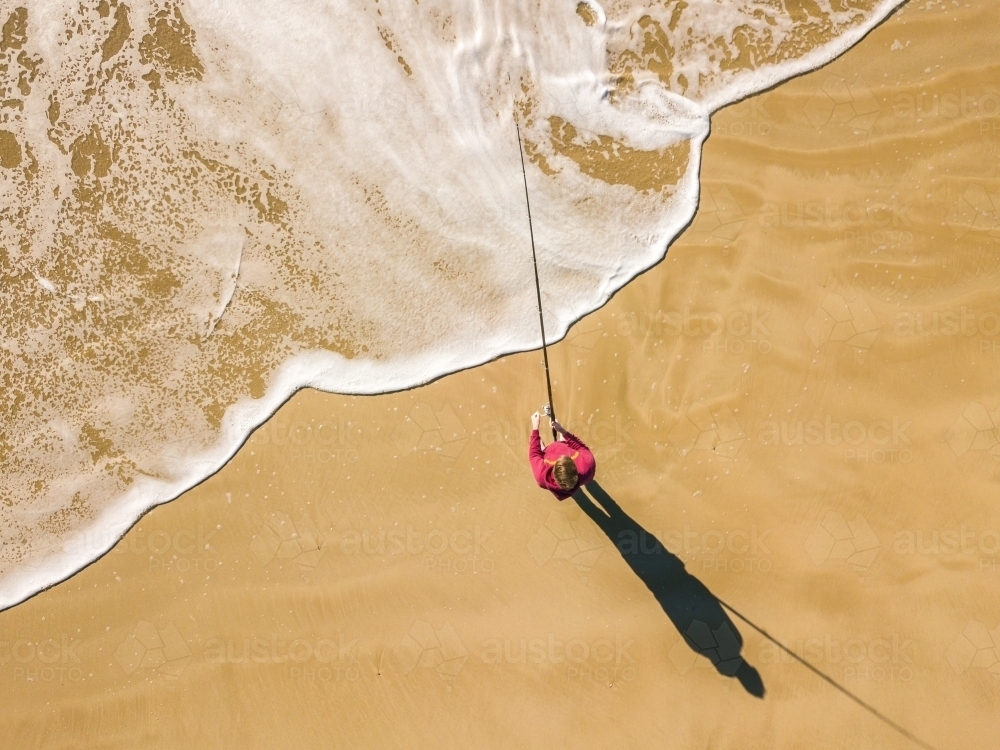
799	402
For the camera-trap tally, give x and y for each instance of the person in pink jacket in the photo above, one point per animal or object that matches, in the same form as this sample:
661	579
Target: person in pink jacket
562	466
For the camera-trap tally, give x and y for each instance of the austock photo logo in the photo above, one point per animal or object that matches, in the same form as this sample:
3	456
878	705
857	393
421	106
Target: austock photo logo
740	551
42	660
319	661
964	321
178	550
181	551
282	539
948	105
611	441
976	648
735	332
721	647
161	650
574	539
878	441
610	438
584	337
323	442
457	552
149	650
745	119
587	332
720	217
837	319
428	431
703	429
604	660
975	211
868	222
426	649
976	430
430	648
979	546
838	540
885	659
849	319
562	538
848	104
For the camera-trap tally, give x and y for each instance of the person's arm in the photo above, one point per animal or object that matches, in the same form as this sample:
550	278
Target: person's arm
556	427
585	464
574	442
536	458
535	454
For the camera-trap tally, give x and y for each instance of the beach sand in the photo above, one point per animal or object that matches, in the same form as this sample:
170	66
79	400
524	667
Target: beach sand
800	402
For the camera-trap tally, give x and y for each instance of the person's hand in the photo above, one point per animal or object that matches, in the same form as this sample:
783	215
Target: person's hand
556	426
534	420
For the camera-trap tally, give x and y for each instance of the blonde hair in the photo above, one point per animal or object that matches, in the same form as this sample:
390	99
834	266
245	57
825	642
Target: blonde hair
565	473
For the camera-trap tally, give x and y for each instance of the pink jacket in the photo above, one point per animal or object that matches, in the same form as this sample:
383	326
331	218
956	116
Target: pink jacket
542	463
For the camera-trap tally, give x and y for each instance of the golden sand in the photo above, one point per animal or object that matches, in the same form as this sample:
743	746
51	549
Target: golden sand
800	402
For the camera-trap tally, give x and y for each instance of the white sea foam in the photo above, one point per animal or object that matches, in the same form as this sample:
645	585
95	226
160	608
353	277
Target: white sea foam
393	125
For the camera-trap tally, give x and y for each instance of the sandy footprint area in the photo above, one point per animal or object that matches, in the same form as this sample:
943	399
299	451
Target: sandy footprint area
799	404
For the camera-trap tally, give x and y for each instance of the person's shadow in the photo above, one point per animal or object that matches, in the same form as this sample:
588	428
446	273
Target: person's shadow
691	607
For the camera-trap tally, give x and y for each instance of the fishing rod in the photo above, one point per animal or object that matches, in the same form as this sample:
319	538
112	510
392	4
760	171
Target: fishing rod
538	287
